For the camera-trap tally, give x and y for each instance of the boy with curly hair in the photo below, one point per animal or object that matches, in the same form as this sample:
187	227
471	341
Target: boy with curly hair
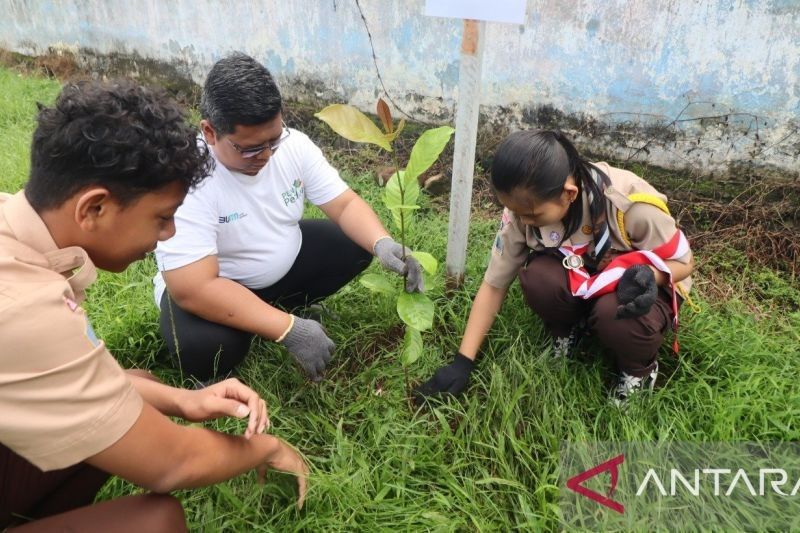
110	164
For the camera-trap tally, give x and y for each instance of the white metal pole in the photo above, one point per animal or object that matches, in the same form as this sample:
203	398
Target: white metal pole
467	105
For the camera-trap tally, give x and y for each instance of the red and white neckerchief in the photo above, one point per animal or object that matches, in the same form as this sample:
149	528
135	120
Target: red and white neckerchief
583	285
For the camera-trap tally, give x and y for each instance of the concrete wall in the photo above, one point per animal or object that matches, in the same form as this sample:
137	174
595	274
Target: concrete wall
700	84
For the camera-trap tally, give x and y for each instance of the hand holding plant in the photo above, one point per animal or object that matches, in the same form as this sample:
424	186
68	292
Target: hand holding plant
400	197
397	258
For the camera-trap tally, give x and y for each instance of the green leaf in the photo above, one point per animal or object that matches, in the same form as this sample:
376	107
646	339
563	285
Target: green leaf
353	125
410	190
412	346
500	481
416	310
427	150
428	262
378	283
391	194
396	201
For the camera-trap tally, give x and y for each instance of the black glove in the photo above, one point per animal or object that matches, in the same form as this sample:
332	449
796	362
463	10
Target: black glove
450	379
637	292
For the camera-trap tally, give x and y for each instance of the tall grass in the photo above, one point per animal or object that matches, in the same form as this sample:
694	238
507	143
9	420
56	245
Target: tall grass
489	462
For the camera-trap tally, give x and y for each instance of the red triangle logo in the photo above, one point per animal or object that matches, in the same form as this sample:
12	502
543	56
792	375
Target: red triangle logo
612	465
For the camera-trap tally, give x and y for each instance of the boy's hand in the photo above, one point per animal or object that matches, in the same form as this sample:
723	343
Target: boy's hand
226	398
287	459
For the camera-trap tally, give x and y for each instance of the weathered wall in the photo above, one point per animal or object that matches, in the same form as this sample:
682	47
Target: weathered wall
681	83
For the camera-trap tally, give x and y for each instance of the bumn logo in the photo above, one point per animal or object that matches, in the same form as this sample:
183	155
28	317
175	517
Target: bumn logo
612	465
233	217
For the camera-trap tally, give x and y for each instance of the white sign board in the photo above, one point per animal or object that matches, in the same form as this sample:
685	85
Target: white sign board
511	11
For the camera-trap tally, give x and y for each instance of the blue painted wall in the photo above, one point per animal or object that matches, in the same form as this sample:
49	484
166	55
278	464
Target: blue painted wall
699	84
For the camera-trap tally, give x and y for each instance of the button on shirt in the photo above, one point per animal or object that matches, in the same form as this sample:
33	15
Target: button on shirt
63	396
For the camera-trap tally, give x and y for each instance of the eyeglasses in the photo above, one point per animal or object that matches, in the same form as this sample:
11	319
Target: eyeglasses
247	153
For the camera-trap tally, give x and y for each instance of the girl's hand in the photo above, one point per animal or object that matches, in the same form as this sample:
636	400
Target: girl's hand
636	292
450	379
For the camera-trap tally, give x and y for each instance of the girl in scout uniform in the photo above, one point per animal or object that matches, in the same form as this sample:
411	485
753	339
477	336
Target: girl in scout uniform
594	248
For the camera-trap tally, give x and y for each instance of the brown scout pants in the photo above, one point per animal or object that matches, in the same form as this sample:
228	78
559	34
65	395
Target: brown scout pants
633	341
60	500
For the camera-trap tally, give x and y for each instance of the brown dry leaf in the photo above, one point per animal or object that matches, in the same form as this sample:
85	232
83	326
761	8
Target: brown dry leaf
385	115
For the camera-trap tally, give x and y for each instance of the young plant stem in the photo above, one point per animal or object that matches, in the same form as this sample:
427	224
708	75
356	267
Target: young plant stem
402	211
408	387
403	244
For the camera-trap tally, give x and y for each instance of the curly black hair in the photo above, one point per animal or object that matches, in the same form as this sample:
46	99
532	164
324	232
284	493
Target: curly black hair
120	135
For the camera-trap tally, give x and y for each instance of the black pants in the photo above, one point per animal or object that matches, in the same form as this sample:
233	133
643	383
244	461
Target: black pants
327	261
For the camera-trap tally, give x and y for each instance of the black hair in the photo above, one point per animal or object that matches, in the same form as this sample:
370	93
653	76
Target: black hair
540	161
119	135
239	91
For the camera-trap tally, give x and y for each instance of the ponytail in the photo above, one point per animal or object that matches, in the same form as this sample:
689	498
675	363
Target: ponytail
581	171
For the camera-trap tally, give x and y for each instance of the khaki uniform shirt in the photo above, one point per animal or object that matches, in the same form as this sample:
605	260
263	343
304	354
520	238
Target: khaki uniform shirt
646	226
63	397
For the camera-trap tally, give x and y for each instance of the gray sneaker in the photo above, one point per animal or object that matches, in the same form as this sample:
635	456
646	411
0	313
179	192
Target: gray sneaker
629	385
562	347
565	346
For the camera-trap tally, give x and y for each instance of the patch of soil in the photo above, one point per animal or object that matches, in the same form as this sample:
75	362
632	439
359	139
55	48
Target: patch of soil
370	349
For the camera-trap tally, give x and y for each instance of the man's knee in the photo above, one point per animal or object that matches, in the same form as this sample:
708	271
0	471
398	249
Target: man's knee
363	259
210	344
603	319
203	349
206	358
147	512
354	260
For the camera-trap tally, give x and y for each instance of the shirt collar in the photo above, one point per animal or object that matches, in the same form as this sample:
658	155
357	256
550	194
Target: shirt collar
552	234
28	228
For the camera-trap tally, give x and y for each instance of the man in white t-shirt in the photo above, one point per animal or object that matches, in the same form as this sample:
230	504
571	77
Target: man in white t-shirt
241	255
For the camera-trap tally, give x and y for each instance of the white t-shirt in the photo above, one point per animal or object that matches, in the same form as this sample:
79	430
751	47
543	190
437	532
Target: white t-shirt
250	222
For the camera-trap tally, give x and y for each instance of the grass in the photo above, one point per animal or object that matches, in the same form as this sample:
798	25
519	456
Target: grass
489	462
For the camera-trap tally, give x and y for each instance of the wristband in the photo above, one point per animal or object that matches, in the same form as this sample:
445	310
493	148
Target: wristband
291	324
